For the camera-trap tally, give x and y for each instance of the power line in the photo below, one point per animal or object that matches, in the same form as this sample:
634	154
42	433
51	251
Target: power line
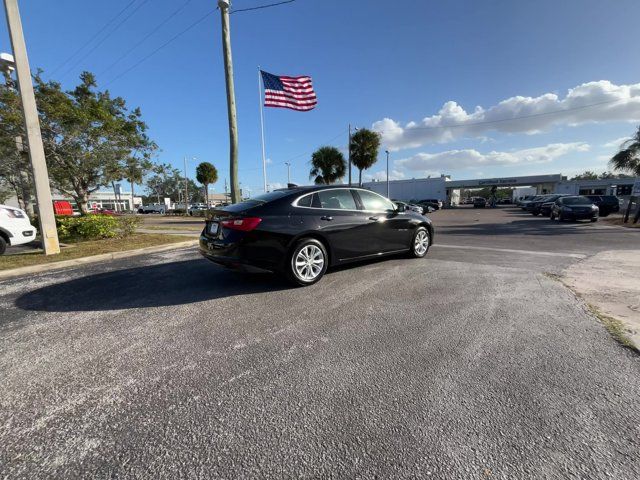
95	47
172	39
261	7
501	120
93	37
158	27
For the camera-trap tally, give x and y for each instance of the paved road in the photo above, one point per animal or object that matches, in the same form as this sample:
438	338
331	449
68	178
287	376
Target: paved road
467	364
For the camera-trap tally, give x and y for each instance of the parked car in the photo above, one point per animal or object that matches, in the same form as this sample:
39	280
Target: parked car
409	206
522	203
606	203
15	228
153	208
574	207
432	202
545	207
535	206
301	231
197	210
479	202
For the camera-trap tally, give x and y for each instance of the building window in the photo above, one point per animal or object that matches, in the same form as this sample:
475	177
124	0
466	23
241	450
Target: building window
622	190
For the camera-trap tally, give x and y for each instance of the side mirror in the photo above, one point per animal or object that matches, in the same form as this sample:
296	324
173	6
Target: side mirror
399	208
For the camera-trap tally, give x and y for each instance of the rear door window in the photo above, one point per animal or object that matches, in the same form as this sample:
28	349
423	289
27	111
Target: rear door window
339	199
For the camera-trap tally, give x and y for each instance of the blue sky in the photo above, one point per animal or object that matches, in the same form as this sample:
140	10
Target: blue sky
375	64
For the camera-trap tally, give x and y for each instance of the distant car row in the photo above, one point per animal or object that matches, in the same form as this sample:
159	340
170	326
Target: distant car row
571	207
543	204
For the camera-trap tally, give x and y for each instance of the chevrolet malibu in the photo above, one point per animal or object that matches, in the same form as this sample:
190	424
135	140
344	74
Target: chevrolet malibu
302	231
574	208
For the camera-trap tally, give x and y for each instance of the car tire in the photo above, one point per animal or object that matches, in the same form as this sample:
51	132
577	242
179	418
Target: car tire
552	216
594	220
303	268
3	246
418	247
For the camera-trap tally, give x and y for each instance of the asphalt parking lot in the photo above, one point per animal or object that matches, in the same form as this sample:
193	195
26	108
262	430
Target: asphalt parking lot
470	363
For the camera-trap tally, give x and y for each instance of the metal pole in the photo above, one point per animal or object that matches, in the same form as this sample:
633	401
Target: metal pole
186	188
231	100
387	152
34	136
264	158
349	154
288	164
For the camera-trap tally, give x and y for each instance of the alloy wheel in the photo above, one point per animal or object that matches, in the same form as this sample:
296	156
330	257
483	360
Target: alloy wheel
421	242
309	262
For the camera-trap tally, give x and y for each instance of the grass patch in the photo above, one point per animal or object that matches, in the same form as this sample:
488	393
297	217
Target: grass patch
88	248
615	328
618	221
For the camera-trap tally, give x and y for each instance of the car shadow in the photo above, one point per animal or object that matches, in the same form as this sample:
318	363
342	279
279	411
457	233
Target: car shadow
176	283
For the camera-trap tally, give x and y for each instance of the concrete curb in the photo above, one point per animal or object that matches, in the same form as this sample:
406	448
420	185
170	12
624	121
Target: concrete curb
45	267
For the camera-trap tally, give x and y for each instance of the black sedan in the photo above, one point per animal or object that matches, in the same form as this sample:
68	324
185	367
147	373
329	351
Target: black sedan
302	231
535	206
574	208
606	203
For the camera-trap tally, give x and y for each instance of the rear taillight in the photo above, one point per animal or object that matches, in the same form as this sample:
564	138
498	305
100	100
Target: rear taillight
242	224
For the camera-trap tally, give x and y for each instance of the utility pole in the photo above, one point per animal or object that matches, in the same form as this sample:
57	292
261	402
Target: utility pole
387	152
231	100
226	195
349	154
288	164
46	217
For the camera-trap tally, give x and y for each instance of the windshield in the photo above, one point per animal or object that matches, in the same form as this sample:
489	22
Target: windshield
576	201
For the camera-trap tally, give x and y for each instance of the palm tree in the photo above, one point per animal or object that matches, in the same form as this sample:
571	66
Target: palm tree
628	158
206	174
364	150
327	165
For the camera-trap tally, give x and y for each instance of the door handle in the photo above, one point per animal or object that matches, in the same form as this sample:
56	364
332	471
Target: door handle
326	217
374	219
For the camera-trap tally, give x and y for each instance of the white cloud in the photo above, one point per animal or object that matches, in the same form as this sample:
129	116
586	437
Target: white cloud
470	158
616	143
610	103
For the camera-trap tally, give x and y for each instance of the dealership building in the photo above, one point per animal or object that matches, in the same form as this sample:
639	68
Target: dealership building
448	191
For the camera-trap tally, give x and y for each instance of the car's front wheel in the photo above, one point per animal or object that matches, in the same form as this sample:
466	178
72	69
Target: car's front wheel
420	244
3	245
308	262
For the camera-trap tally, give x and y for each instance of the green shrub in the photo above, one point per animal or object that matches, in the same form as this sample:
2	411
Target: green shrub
93	227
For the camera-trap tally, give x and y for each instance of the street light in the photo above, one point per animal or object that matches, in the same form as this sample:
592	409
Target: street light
387	152
288	164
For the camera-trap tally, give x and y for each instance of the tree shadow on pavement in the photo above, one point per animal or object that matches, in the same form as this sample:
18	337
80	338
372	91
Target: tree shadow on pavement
176	283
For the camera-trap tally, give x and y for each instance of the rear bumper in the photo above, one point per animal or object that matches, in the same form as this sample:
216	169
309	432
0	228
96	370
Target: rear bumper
233	256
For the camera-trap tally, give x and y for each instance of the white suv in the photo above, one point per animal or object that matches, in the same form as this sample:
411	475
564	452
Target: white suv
15	227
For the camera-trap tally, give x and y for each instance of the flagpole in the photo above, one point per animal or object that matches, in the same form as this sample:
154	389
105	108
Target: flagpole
264	159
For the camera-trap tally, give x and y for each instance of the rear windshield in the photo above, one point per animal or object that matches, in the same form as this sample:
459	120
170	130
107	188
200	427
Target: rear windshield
259	200
576	201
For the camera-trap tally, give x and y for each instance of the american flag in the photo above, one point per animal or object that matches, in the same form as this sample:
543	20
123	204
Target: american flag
283	91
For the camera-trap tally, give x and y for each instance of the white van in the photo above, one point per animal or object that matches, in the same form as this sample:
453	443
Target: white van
15	228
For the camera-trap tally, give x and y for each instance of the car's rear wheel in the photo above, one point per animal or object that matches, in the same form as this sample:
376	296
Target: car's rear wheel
594	219
308	262
552	216
3	246
420	243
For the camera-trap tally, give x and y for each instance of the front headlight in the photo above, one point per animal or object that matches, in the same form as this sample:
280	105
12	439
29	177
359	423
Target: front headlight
594	207
12	212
